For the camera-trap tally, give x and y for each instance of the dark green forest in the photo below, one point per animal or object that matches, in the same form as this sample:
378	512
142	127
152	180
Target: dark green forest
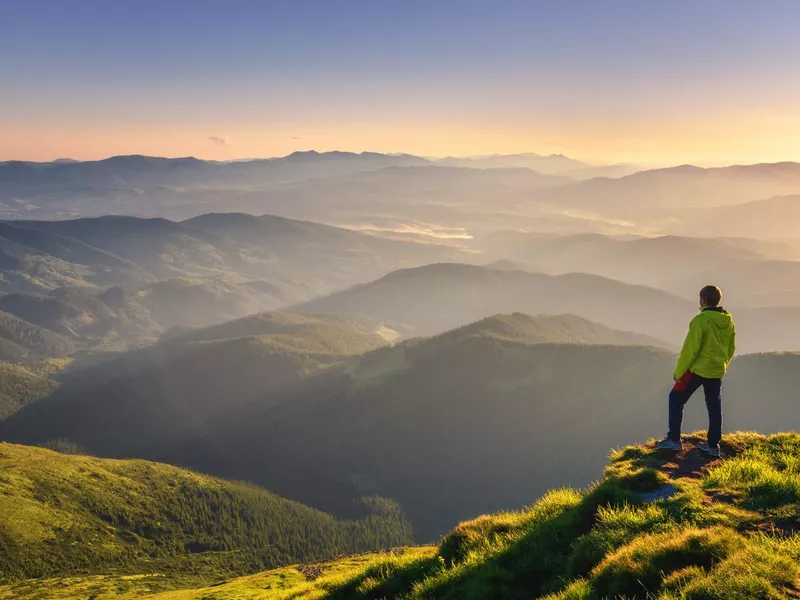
70	514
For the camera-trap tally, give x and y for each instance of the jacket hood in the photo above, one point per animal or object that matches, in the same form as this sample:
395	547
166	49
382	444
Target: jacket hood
718	316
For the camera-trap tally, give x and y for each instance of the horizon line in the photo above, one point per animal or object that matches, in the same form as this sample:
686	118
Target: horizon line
643	167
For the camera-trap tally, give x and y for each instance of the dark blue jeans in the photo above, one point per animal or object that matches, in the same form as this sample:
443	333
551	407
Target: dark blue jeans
680	395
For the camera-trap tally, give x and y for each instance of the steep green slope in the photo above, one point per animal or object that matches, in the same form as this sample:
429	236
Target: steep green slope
20	386
719	530
140	401
65	514
658	525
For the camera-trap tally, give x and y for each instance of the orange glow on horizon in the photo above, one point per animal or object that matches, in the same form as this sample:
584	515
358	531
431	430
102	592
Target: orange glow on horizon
772	137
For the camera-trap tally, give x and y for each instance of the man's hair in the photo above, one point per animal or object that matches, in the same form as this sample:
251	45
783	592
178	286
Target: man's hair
711	295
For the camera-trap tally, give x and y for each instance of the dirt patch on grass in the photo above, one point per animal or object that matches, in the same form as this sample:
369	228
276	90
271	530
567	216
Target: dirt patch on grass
690	461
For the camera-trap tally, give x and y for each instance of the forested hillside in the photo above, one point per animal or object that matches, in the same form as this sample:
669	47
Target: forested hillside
21	385
21	341
127	517
137	402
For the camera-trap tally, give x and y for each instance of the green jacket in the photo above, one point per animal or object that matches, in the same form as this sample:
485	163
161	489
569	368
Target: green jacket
709	346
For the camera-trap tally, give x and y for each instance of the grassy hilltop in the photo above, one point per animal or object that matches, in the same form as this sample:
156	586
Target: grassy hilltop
657	525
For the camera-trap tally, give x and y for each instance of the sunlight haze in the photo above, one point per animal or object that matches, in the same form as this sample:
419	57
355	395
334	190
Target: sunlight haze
667	83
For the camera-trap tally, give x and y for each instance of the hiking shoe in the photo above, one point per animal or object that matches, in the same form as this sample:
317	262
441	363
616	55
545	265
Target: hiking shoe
668	444
710	450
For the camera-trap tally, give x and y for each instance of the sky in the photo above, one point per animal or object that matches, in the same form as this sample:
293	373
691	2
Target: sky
643	81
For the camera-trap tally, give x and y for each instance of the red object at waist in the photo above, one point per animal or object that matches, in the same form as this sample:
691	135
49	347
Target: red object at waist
683	382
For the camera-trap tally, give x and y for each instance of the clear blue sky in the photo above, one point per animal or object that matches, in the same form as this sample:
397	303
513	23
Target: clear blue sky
709	80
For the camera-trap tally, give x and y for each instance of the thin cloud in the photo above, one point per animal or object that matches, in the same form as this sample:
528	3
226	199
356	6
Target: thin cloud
219	141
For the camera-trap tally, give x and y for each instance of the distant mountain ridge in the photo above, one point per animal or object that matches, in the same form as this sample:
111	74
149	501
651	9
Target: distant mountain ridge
552	164
211	268
662	192
374	189
434	298
753	273
131	169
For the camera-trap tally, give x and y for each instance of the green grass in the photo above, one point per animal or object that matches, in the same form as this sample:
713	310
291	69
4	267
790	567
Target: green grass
607	542
66	515
765	476
306	581
725	533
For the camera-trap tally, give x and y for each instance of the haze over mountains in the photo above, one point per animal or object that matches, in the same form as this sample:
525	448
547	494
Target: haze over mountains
391	191
389	343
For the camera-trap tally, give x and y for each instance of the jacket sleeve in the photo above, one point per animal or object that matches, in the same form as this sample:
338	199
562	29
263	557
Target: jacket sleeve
732	345
691	348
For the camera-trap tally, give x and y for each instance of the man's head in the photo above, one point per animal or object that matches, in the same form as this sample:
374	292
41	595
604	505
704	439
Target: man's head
710	296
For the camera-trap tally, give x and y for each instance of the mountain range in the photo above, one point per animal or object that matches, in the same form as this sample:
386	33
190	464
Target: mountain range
752	273
434	298
401	191
125	281
191	393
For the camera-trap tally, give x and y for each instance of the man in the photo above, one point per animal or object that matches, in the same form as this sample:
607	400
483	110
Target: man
709	347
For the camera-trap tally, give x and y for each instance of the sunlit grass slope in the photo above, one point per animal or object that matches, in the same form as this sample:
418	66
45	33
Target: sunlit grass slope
68	515
657	526
722	529
295	581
